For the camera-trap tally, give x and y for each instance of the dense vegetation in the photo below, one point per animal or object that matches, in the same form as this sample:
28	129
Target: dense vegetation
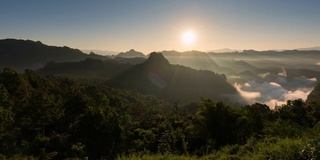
314	95
57	118
88	68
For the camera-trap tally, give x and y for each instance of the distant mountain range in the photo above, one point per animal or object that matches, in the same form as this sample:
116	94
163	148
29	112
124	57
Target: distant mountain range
154	76
228	50
100	52
224	50
130	54
309	48
168	75
22	54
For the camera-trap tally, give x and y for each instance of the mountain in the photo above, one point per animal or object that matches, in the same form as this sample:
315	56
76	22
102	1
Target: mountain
130	54
309	48
193	59
314	95
224	50
135	60
23	54
100	52
88	68
156	76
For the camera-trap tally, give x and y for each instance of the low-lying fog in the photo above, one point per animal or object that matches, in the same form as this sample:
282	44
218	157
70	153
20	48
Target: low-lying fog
267	77
276	90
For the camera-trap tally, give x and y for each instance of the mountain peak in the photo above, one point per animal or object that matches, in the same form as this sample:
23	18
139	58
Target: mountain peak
157	58
131	54
156	76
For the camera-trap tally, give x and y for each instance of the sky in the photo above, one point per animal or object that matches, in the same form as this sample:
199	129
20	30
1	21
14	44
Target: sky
156	25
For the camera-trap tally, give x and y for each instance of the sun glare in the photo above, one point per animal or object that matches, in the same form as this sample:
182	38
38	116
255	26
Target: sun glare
188	37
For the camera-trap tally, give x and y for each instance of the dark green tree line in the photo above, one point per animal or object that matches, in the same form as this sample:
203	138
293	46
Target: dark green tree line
57	118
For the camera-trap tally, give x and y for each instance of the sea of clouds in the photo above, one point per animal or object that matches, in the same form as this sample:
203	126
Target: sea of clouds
277	90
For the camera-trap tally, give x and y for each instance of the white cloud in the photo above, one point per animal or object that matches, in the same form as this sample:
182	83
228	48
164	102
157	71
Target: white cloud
247	95
247	85
290	95
273	102
273	93
313	79
300	93
275	84
264	75
234	76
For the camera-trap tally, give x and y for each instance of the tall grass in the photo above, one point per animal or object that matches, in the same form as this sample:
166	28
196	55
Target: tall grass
268	148
156	157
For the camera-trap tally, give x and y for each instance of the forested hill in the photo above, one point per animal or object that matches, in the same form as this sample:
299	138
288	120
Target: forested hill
314	95
88	68
23	54
156	76
61	118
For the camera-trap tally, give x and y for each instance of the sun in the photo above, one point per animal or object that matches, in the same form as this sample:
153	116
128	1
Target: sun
188	37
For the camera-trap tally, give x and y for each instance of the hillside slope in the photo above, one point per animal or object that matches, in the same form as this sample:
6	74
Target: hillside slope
23	54
88	68
156	76
314	95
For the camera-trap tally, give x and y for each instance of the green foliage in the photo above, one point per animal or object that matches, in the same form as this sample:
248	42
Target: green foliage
61	118
88	68
268	148
220	121
155	157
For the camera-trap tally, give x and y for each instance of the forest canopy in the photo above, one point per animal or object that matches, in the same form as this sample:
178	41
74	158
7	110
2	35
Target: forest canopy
48	117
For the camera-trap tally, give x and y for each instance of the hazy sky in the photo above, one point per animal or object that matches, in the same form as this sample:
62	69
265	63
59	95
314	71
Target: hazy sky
156	25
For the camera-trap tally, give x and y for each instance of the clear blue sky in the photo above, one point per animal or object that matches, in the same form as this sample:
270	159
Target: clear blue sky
155	25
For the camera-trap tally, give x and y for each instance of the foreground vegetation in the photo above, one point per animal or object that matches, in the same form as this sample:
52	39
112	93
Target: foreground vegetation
59	118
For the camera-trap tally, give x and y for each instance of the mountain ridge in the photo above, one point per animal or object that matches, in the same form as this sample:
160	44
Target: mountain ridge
130	54
156	76
28	54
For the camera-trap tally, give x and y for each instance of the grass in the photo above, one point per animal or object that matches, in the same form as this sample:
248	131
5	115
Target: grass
268	148
156	157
